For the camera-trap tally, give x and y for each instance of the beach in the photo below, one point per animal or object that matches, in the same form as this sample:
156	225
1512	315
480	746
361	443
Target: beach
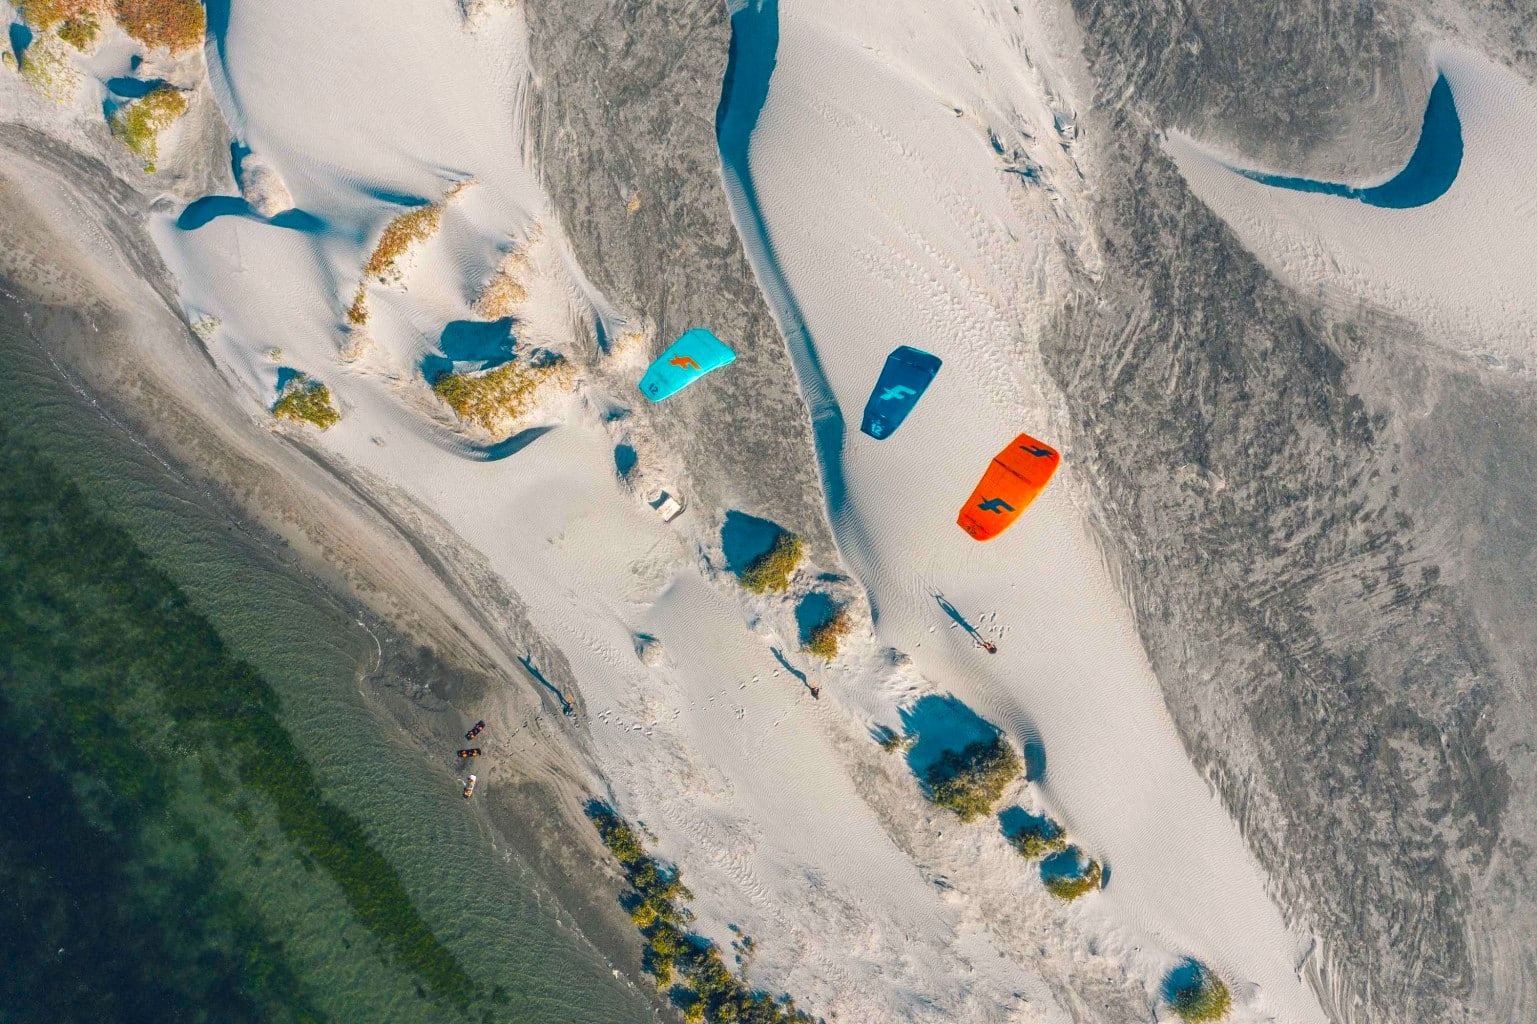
361	332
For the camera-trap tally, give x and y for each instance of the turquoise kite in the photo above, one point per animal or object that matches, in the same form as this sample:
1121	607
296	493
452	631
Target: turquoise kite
685	361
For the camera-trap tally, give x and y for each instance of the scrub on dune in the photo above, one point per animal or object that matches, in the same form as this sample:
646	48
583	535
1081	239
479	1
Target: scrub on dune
1015	478
692	356
905	377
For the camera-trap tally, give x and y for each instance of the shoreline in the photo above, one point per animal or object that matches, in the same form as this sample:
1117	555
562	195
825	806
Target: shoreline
219	466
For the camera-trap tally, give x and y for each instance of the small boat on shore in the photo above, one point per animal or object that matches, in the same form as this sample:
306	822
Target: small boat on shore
475	730
471	752
469	788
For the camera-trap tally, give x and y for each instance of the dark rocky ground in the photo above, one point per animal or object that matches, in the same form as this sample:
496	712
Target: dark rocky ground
625	104
1324	522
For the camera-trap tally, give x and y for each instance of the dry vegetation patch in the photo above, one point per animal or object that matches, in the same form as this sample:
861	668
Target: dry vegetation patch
505	293
409	229
81	33
770	572
306	400
357	313
174	24
44	15
78	22
969	782
497	400
405	232
827	638
138	123
46	67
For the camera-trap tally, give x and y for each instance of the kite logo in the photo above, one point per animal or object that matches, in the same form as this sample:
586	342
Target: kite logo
684	362
897	391
1039	453
995	505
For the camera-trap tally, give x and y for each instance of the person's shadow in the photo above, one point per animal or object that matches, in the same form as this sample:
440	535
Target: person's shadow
527	661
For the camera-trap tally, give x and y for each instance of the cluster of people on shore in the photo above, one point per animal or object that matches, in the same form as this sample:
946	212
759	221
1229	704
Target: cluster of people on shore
470	752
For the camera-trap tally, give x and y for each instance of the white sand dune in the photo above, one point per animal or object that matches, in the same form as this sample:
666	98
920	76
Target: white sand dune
889	222
720	751
1460	268
900	232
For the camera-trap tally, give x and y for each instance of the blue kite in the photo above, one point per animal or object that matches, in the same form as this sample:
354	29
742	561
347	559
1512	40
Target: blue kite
692	356
906	376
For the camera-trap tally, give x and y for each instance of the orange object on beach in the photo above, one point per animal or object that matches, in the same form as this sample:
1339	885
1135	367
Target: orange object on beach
1016	477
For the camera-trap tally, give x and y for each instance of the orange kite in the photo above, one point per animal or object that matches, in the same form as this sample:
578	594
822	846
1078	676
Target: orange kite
1015	478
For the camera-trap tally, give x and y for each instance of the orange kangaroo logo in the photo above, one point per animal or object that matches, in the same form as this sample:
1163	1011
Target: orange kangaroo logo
684	362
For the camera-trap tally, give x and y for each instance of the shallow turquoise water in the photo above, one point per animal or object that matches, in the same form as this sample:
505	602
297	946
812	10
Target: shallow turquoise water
487	908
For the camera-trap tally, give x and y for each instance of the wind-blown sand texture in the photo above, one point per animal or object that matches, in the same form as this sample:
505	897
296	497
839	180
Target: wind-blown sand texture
950	207
1411	262
749	784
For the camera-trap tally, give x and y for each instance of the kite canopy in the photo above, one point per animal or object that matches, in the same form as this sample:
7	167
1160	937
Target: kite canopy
906	375
1014	479
685	361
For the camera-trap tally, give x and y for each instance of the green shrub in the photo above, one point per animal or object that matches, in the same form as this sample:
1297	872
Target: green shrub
138	123
1204	999
970	782
1068	888
307	401
496	400
771	571
702	985
1039	839
175	24
827	638
81	32
892	741
619	838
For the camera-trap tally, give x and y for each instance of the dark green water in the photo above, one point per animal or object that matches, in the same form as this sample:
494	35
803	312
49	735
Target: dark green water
203	820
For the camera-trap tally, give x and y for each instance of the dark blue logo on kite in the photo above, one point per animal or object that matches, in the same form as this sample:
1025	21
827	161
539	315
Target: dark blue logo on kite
1039	453
995	505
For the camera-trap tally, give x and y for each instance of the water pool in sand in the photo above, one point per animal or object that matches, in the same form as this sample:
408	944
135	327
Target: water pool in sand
1427	176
